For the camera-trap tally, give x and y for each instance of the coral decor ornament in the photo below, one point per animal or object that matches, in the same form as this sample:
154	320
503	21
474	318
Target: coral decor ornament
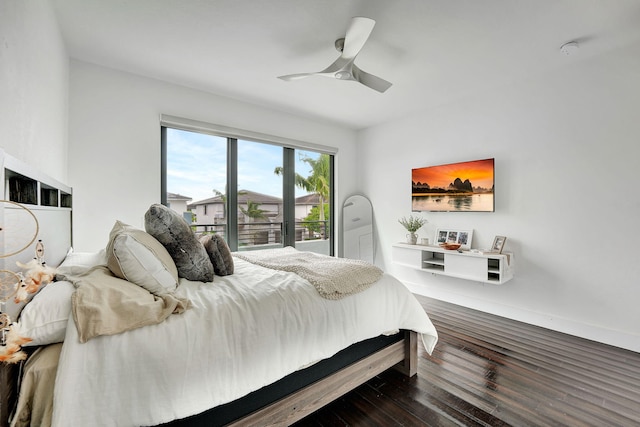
37	274
11	343
22	292
16	285
11	285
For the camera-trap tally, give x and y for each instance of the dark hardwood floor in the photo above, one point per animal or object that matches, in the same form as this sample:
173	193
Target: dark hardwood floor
491	371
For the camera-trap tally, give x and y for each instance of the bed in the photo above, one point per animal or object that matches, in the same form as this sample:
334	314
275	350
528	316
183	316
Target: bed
260	346
185	369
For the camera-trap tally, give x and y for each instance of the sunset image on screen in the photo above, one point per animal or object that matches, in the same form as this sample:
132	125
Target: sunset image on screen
451	187
479	173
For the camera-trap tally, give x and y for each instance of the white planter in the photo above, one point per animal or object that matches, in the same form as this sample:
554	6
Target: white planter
412	238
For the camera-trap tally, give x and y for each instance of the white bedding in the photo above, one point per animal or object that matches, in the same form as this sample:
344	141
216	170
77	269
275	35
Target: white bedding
244	331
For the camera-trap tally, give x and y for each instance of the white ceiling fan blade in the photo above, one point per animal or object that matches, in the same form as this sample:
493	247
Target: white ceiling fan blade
298	76
356	36
339	64
369	80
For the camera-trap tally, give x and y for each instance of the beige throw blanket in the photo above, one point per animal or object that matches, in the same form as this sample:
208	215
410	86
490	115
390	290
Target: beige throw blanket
334	278
106	305
35	401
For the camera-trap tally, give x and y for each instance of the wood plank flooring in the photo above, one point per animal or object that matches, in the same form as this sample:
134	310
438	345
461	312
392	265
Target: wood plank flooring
491	371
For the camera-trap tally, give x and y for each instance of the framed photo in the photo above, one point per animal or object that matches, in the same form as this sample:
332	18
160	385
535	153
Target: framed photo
463	237
498	244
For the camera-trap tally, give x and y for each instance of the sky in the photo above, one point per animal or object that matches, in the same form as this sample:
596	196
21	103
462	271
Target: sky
197	165
479	172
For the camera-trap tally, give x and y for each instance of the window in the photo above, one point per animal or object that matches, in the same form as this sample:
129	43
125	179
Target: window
260	202
282	194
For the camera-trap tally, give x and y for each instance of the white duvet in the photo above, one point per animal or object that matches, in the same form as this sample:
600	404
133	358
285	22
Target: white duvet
243	332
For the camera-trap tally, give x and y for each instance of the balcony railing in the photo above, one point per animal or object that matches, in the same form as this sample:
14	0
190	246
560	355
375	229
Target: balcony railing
267	233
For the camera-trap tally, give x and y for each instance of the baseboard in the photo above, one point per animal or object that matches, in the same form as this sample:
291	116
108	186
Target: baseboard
615	338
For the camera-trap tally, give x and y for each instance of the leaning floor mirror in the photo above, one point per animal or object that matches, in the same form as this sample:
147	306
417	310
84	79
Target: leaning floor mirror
357	221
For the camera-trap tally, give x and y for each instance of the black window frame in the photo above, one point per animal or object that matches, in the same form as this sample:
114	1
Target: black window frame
288	184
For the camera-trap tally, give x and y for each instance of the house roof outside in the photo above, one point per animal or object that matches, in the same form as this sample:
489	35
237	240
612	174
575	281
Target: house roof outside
176	196
243	197
308	199
262	199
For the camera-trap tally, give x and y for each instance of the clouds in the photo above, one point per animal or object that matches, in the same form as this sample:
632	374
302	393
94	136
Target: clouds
197	165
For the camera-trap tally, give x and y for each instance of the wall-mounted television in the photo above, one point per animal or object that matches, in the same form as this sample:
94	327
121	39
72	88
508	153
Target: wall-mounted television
455	187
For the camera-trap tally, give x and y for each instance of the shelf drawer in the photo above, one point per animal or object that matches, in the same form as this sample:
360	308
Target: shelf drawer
469	267
406	256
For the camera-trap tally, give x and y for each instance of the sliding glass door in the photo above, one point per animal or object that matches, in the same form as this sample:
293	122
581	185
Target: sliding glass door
259	200
313	190
257	195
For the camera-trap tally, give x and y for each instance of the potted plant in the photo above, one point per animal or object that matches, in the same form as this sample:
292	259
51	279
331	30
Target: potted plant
412	224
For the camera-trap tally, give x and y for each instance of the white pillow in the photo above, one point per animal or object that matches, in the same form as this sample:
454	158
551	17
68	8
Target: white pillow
78	262
136	256
45	318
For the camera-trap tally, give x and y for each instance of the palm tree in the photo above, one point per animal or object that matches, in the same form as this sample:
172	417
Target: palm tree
317	182
223	197
253	211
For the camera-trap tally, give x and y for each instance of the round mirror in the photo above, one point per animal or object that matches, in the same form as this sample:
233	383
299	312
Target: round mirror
357	221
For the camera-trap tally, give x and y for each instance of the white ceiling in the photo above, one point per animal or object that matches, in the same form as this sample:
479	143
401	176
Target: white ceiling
433	51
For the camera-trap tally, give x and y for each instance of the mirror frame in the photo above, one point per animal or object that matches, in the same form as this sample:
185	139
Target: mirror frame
357	228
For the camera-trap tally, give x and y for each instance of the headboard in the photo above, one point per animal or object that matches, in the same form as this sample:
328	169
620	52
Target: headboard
30	194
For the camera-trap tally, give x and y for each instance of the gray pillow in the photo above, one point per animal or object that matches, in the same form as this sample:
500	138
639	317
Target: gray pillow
219	254
174	233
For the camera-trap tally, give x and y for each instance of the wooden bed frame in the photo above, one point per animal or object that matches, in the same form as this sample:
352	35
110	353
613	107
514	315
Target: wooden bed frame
303	392
402	355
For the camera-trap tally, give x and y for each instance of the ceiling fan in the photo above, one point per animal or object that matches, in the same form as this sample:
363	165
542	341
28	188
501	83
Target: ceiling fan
343	68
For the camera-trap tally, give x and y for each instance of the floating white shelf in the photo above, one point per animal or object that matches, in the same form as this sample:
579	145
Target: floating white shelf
480	267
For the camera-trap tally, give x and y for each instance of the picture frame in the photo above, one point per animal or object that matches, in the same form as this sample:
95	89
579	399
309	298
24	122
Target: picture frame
498	244
464	237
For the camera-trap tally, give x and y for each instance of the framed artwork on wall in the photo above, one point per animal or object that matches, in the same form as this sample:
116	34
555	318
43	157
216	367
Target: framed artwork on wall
455	187
463	237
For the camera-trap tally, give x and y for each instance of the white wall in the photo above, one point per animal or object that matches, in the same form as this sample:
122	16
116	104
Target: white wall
567	155
114	143
33	86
